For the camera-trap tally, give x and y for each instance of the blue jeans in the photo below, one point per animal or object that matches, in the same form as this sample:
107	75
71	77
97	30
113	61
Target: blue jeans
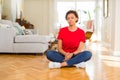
58	57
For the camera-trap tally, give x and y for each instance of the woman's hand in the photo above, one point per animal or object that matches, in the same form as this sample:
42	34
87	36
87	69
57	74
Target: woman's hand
68	56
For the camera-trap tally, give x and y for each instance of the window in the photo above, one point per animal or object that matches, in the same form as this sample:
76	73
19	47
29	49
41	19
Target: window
85	11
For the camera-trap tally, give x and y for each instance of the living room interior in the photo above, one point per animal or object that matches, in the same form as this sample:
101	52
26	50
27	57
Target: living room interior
28	28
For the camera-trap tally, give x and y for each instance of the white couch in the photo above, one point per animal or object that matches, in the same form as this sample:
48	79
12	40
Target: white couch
10	42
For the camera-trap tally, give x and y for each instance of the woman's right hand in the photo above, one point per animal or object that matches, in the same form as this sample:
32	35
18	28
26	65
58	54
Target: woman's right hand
68	56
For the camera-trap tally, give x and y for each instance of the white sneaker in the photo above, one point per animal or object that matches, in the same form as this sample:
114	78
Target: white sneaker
81	65
54	65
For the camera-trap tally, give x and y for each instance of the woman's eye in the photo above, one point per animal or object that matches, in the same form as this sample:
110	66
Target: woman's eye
70	18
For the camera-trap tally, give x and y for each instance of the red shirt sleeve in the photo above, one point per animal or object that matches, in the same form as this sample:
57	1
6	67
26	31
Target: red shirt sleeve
60	34
83	38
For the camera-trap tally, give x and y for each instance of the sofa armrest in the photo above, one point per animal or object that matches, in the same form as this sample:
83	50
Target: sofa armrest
6	39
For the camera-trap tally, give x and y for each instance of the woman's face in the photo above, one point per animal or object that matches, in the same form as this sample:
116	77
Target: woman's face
71	19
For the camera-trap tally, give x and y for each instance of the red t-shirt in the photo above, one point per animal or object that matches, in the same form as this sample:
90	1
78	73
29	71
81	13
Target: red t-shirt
71	39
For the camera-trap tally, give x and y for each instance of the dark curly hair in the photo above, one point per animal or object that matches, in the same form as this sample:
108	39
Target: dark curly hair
73	12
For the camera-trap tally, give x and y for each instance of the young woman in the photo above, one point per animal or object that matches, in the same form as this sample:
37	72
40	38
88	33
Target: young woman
71	41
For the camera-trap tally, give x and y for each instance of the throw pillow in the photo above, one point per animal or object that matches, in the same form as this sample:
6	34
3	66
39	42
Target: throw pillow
28	32
18	29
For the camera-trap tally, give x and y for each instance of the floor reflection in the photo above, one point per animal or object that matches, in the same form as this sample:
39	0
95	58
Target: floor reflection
68	74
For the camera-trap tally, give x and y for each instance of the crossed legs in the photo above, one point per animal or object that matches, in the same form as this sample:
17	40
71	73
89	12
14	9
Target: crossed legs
55	56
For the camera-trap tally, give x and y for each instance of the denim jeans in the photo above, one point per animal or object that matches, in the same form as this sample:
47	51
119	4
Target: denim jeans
58	57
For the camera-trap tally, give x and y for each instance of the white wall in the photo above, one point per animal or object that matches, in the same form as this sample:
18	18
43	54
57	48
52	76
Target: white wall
111	27
33	12
11	10
116	29
7	9
19	8
41	14
107	24
0	8
113	24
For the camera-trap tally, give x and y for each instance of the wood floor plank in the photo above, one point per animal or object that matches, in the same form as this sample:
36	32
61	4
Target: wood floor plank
102	66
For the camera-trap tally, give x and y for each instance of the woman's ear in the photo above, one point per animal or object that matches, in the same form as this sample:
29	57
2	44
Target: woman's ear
76	20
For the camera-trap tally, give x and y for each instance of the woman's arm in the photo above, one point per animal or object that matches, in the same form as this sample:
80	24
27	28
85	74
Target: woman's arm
60	47
66	54
80	48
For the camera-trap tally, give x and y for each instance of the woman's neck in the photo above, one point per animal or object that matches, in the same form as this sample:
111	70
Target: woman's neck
72	28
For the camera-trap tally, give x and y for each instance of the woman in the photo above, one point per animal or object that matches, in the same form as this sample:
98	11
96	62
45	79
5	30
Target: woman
71	41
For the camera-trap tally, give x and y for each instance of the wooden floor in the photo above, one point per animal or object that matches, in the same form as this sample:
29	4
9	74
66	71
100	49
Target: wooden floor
102	66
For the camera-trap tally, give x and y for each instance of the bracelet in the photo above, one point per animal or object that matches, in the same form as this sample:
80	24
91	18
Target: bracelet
73	54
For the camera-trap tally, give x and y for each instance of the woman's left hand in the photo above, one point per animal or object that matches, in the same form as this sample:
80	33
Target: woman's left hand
69	56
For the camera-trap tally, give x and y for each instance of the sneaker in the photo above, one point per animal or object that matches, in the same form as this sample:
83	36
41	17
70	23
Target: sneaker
54	65
81	65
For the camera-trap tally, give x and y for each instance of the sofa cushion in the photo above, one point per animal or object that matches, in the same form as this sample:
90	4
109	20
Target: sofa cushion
4	26
32	39
7	22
